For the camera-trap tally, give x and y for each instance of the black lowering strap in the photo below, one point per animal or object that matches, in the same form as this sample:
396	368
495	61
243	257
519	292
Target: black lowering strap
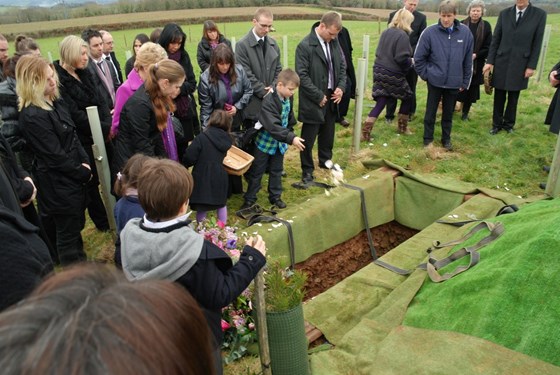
365	217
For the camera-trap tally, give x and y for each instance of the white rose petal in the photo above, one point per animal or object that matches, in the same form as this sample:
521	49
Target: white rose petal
384	144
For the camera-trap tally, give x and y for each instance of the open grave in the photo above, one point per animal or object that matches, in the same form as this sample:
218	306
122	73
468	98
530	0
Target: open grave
497	317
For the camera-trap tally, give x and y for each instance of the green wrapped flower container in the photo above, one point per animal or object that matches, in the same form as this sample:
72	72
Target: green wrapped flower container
287	342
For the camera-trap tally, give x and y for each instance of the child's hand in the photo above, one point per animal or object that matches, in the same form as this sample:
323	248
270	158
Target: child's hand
257	243
298	143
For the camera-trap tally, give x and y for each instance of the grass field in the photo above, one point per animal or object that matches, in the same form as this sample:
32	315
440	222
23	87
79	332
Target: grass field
510	162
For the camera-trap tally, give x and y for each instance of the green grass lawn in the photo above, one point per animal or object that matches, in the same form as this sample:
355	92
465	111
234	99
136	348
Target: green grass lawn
511	162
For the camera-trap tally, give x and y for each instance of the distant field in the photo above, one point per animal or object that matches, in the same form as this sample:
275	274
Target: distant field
124	21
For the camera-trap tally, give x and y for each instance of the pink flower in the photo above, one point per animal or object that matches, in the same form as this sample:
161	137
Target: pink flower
220	224
225	326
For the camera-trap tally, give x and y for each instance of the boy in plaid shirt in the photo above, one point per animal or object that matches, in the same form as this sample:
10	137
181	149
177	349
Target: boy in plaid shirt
277	121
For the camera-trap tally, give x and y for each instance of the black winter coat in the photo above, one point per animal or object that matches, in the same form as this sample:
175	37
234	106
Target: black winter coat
207	152
16	174
10	114
515	48
58	172
312	68
24	258
138	131
204	52
80	94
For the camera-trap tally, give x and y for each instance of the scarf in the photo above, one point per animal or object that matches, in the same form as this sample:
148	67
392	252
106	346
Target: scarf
479	36
181	101
227	83
169	143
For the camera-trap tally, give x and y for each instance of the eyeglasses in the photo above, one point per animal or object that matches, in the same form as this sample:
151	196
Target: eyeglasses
265	26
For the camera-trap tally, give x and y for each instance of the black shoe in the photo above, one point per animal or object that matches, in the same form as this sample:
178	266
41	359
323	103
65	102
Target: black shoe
546	168
494	130
542	185
279	203
448	146
465	117
509	130
246	204
344	122
284	174
307	178
389	120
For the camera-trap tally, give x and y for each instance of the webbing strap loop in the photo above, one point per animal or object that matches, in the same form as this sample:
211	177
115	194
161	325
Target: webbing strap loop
433	265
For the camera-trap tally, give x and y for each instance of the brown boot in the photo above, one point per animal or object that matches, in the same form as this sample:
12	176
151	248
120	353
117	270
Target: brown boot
403	124
366	129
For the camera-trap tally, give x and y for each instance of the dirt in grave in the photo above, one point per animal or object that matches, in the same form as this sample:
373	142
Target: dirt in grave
333	265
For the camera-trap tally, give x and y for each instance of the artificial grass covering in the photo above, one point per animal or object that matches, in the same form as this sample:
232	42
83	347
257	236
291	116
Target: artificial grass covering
510	297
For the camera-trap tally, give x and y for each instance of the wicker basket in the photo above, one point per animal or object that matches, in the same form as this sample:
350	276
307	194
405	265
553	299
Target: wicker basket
237	161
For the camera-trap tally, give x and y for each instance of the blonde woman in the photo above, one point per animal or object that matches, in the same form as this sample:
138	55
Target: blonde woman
149	53
79	89
393	59
61	168
145	122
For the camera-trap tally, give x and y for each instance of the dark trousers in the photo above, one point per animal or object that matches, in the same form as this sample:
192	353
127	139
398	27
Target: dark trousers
412	79
500	119
325	134
448	98
64	231
275	164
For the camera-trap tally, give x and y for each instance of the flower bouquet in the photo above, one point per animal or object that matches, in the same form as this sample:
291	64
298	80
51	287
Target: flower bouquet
237	320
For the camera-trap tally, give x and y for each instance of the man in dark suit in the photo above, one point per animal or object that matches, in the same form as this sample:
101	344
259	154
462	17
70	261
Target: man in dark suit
109	55
513	56
418	26
260	57
322	72
105	76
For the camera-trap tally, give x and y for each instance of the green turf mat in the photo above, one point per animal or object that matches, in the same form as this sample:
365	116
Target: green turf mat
510	297
329	219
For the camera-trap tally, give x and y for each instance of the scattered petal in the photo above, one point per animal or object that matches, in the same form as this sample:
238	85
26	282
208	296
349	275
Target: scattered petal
290	221
455	216
327	193
507	189
365	177
277	225
384	144
270	229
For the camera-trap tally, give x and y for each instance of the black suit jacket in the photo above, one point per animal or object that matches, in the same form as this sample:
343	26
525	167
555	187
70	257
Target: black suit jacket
118	66
516	47
418	26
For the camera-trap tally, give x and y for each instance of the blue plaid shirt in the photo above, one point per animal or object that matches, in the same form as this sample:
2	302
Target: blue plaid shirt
265	143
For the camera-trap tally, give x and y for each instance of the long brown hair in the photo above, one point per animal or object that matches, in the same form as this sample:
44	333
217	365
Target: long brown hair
222	54
165	69
89	320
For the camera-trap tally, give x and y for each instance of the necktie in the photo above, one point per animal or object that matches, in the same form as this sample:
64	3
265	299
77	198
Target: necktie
330	66
261	44
100	65
519	15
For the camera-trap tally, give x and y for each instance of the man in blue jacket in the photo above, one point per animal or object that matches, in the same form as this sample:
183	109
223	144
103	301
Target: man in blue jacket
443	59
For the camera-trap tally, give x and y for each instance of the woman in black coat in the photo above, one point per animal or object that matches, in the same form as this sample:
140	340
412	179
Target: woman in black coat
10	114
61	168
173	39
211	37
482	34
79	91
145	125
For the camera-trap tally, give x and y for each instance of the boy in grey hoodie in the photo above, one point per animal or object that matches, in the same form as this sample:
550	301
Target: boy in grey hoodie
161	245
